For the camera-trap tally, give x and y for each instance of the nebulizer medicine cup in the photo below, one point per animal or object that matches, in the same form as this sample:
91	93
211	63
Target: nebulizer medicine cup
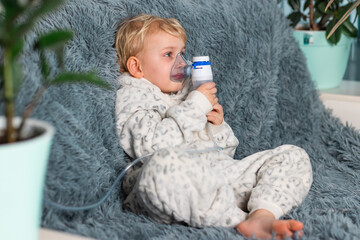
201	71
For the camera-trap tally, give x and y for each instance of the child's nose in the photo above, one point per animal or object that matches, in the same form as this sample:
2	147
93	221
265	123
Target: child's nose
182	64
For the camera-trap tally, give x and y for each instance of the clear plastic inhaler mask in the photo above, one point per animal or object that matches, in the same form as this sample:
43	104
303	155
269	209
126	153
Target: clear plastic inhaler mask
181	69
199	71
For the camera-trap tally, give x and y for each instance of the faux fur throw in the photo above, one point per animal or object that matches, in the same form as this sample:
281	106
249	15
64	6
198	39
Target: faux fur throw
264	87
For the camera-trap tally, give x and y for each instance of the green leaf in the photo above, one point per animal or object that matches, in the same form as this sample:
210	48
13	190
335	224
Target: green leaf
329	13
17	48
1	80
12	10
321	6
343	9
294	4
44	8
344	17
328	5
304	17
317	14
9	3
2	33
17	76
59	53
54	40
335	38
325	19
349	29
295	18
306	5
70	77
45	69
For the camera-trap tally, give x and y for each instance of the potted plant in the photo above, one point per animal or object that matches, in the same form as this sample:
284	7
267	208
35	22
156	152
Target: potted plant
25	143
326	57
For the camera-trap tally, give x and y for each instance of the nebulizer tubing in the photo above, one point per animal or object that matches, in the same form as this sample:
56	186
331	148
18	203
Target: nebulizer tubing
180	71
103	199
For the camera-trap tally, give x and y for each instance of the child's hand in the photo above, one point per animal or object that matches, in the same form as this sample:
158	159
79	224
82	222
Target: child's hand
209	90
216	116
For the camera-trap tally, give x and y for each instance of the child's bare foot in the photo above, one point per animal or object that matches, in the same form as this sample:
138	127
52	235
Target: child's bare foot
262	223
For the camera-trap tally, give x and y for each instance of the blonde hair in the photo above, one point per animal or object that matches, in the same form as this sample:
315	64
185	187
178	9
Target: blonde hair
132	32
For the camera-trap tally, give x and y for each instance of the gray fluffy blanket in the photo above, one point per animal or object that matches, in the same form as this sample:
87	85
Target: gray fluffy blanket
264	87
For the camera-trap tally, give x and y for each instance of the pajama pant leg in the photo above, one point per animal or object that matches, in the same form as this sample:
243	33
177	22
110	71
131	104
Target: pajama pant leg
275	180
176	187
215	190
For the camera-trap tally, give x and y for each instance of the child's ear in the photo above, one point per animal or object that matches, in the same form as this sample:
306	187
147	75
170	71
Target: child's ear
133	66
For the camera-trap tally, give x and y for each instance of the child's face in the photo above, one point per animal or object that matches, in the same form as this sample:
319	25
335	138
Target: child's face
157	58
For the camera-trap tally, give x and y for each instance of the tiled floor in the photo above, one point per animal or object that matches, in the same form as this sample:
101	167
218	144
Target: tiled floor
353	68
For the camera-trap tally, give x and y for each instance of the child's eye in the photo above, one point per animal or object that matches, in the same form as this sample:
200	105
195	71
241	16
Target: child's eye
168	54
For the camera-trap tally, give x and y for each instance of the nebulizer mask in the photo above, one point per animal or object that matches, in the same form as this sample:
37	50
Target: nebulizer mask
199	71
181	70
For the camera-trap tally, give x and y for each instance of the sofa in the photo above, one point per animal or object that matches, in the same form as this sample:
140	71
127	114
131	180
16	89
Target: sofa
263	85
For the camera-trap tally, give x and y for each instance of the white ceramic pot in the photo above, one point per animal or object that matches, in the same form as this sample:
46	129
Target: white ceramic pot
22	173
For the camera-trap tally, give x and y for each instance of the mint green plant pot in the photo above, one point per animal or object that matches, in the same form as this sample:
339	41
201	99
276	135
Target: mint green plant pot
22	173
327	63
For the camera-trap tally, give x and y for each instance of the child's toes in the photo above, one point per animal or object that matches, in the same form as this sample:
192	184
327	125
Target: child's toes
286	228
295	225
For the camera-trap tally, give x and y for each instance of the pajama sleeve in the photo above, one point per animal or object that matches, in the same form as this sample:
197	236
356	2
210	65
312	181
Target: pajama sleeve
147	129
224	137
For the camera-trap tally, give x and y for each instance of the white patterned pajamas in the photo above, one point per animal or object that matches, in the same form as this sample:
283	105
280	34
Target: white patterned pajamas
200	189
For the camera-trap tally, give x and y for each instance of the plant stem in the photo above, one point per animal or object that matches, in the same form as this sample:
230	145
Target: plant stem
311	17
30	107
9	96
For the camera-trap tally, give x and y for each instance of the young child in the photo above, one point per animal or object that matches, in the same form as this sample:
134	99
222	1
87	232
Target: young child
181	182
